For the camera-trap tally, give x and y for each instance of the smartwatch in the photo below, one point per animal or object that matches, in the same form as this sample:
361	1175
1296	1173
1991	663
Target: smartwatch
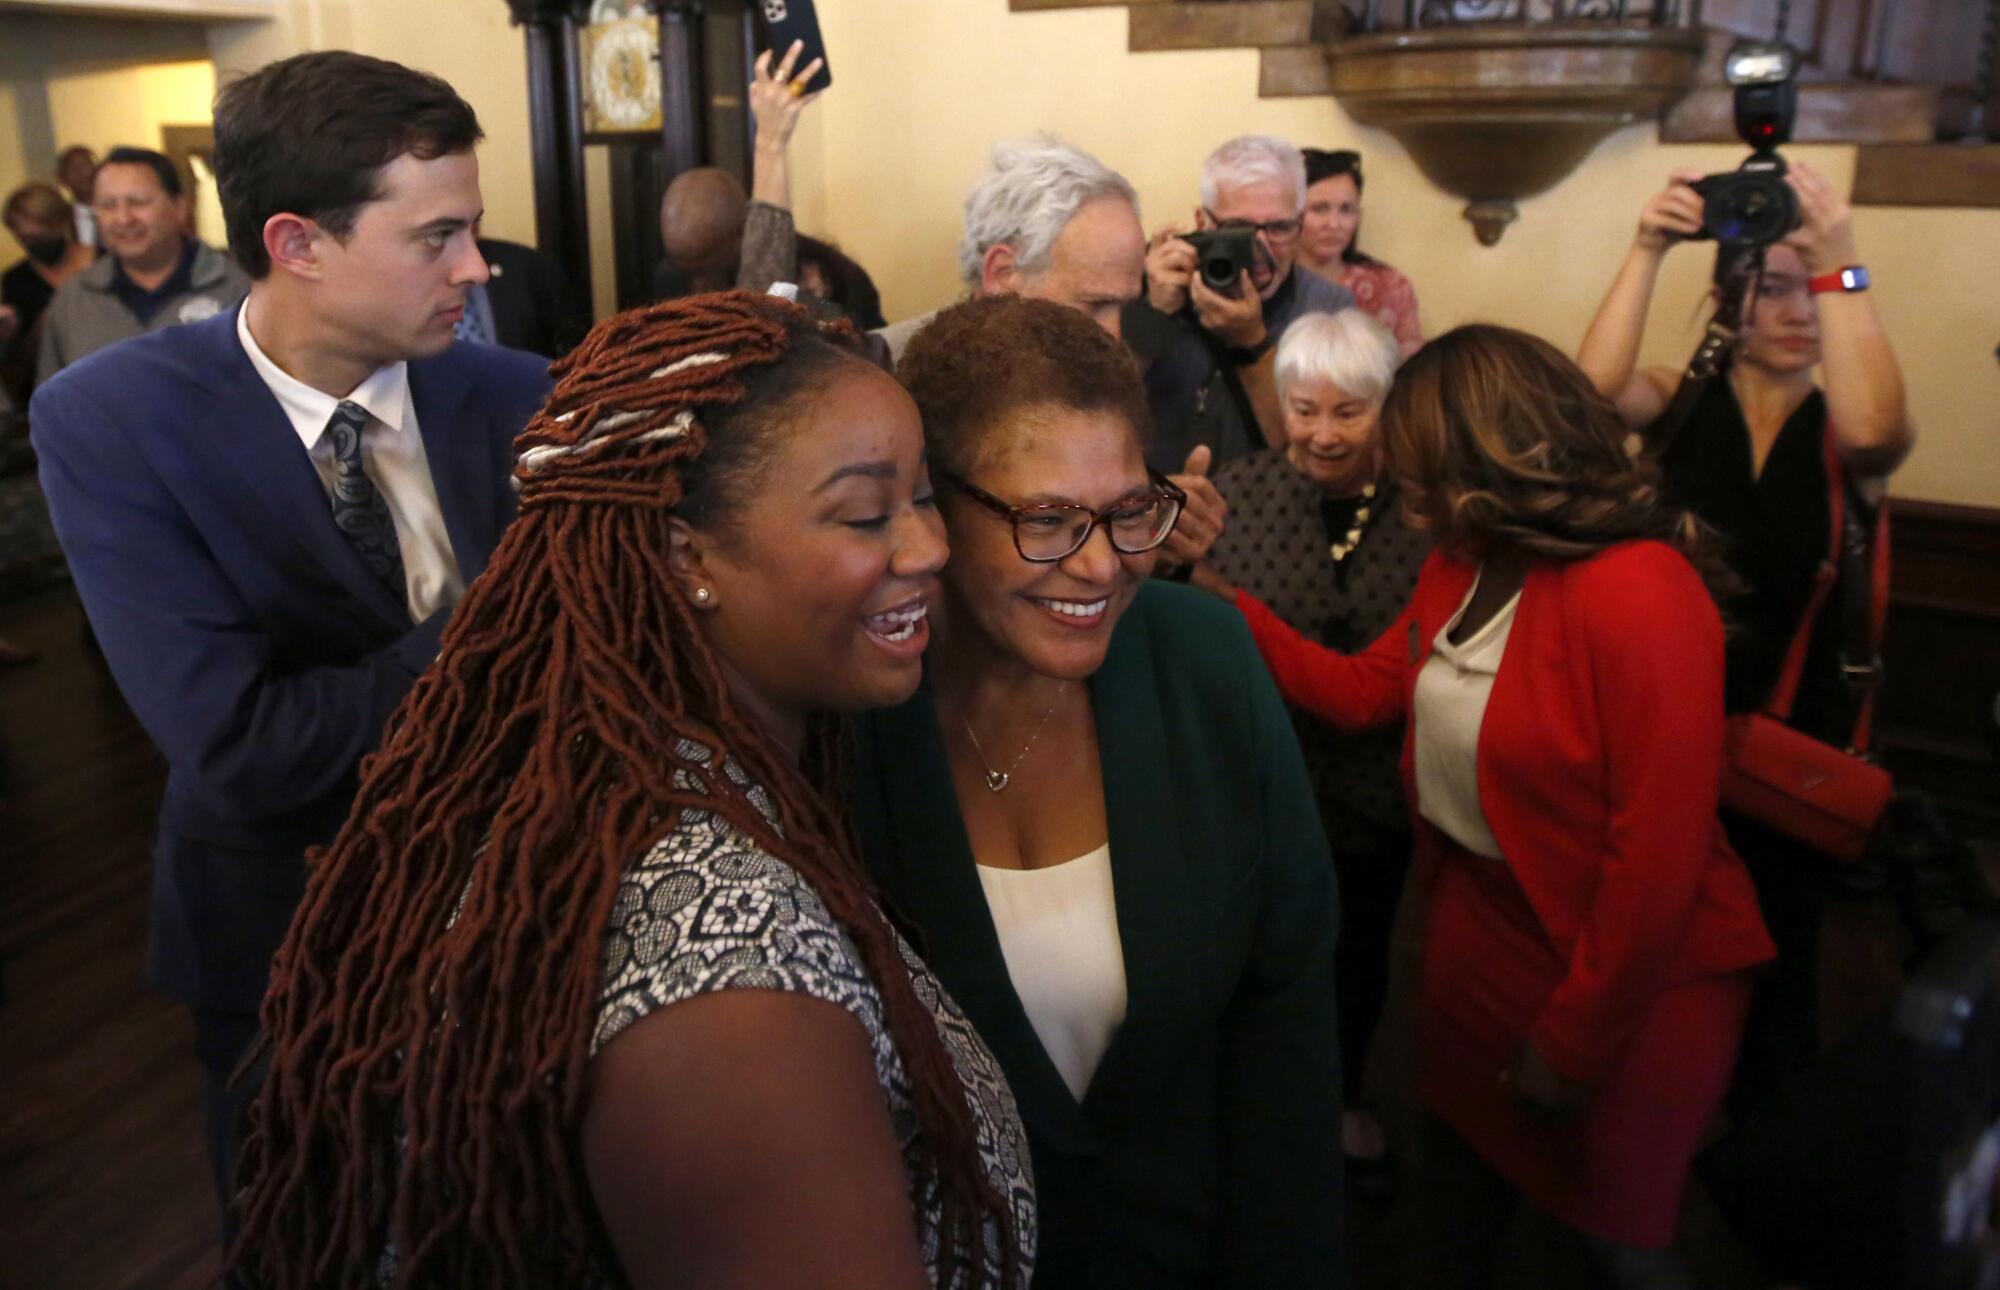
1851	278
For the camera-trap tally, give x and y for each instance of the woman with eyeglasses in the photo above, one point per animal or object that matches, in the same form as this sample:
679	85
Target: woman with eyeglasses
1330	245
1095	815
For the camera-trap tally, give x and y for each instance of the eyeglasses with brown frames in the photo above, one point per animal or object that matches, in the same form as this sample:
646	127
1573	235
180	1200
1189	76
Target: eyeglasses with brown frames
1047	532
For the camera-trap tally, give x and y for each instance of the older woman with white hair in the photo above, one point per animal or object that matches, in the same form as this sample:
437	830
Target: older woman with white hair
1316	533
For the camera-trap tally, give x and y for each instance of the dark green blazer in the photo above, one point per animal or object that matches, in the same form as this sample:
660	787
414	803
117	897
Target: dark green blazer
1206	1151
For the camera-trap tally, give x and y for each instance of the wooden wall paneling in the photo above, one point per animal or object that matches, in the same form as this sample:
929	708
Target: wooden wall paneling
1942	654
1952	174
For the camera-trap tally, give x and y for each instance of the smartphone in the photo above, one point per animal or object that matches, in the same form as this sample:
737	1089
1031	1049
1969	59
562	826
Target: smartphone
790	20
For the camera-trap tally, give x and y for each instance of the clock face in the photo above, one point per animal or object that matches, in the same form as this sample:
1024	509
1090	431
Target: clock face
621	75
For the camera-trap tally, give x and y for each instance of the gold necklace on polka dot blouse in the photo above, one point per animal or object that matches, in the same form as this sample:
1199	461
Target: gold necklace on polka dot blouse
1345	546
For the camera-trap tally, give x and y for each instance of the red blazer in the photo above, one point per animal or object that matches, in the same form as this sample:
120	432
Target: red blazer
1599	762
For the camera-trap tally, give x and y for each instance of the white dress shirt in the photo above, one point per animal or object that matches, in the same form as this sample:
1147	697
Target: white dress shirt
392	451
1058	932
1450	709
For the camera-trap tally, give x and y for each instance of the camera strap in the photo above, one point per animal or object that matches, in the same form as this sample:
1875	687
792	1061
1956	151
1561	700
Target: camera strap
1232	382
1855	573
1717	339
1855	576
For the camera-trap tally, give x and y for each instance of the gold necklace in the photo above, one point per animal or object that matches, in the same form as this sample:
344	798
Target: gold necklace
1345	547
998	779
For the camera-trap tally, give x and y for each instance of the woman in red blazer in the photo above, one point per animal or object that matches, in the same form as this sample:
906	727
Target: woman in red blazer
1588	930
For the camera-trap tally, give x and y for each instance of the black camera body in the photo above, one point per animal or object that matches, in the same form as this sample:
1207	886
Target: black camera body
1749	207
1752	206
1225	255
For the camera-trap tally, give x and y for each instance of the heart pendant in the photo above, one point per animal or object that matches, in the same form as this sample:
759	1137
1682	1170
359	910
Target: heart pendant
996	780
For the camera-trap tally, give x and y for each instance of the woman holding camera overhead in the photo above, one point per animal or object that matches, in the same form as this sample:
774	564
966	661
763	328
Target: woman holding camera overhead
1749	456
1330	245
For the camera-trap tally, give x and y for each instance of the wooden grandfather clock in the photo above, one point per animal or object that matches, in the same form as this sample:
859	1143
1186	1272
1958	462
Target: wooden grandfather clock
660	85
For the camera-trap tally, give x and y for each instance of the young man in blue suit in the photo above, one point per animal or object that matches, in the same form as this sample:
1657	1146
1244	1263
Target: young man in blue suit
270	514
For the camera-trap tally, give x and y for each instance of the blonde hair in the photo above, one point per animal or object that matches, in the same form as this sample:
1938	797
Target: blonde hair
36	201
1500	441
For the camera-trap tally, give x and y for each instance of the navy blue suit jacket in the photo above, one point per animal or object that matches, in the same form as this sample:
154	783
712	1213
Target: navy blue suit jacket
247	635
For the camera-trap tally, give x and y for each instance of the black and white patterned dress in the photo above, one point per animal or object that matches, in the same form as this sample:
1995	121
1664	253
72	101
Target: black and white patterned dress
708	909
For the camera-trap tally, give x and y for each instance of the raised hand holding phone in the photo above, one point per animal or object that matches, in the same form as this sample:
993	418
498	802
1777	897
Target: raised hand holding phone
796	23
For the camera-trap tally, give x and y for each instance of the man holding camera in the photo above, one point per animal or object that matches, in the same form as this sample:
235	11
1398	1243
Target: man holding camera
1208	342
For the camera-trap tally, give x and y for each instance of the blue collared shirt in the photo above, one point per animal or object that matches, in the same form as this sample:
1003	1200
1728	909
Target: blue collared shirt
145	304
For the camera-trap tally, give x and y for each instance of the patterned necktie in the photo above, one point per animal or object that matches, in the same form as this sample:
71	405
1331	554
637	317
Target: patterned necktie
359	509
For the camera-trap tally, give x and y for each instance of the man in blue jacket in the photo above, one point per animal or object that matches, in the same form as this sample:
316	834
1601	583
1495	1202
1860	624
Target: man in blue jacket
271	513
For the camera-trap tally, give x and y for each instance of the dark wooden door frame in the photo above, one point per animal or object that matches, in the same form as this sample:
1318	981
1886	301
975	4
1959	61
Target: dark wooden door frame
683	97
639	175
555	134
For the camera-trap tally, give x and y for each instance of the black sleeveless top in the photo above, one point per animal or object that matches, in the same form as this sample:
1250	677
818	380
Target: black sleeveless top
1776	529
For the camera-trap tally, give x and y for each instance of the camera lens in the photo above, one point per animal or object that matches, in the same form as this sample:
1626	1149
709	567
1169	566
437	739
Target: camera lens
1749	210
1744	215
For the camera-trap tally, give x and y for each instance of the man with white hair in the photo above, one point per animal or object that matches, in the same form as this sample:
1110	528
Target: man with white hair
1209	354
1052	222
1049	221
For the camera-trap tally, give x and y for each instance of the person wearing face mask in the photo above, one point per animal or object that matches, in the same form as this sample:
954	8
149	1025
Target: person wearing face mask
1209	355
595	953
269	514
39	218
1095	814
1318	533
153	275
1330	245
1750	459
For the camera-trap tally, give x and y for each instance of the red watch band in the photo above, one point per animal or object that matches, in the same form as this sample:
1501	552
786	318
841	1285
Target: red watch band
1851	277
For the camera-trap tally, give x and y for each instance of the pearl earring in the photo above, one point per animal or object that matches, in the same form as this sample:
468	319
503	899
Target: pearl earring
703	595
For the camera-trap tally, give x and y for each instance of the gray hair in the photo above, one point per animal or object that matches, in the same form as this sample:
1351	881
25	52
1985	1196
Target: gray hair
1350	350
1250	159
1028	195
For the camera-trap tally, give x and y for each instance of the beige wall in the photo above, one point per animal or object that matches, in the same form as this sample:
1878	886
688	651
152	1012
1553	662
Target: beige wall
468	42
24	134
179	10
95	81
922	89
104	108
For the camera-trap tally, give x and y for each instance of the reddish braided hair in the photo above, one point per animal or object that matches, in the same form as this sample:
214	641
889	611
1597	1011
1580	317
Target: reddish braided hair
429	1018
